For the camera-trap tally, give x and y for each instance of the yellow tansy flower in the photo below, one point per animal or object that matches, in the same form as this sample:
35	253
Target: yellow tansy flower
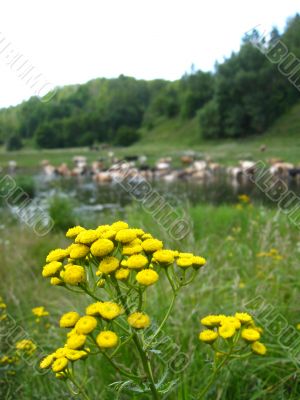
69	319
40	312
76	341
126	235
163	257
60	364
73	232
138	320
137	261
86	325
108	265
122	274
79	251
47	361
243	317
102	247
152	245
184	262
259	348
74	275
117	226
107	339
57	255
87	236
56	281
93	309
109	310
226	330
250	335
147	277
51	269
208	336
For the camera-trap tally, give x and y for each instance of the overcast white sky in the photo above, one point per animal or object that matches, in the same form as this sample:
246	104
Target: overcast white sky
73	41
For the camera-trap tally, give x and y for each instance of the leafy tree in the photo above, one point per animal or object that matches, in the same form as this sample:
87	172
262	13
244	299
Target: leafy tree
14	142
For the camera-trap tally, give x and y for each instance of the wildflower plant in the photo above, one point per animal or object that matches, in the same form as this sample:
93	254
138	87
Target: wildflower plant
230	338
114	265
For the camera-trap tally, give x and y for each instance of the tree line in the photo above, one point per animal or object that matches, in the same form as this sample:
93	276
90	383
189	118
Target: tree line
243	96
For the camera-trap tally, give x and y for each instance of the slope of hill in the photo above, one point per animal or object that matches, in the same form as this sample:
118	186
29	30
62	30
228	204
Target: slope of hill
173	137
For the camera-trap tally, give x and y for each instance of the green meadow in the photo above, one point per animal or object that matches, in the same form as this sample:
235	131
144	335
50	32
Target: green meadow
237	277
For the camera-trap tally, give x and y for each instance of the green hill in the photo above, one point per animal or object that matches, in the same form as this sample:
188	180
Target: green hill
173	137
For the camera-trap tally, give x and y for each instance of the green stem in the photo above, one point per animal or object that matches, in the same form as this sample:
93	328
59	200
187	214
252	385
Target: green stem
121	370
163	321
212	378
88	292
136	339
217	369
170	280
116	367
80	389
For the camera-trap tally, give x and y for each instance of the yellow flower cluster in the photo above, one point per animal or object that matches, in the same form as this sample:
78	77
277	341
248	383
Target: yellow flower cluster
26	346
233	330
3	306
40	312
272	253
117	250
107	263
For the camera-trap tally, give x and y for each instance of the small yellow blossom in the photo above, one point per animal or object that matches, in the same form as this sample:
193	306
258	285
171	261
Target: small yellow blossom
107	339
117	226
243	317
60	364
109	310
208	336
40	312
79	251
226	330
198	261
93	309
74	355
76	341
102	247
138	320
212	320
164	257
87	236
250	335
152	245
102	228
73	232
69	319
56	281
184	262
231	320
51	269
126	235
109	234
86	325
108	265
259	348
122	274
147	277
137	261
74	275
131	248
57	255
47	361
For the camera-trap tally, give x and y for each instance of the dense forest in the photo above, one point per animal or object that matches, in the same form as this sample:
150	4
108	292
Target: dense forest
243	96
